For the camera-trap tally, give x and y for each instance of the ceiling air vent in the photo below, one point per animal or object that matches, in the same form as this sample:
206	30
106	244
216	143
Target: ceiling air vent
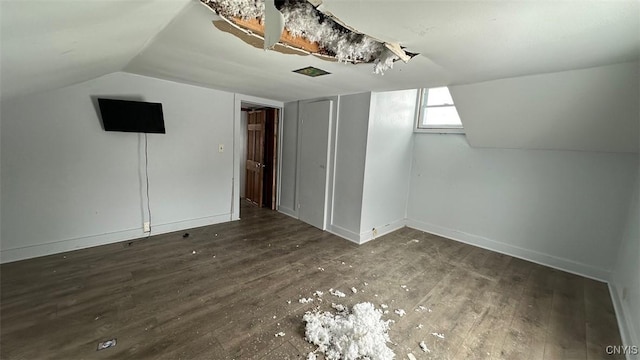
311	71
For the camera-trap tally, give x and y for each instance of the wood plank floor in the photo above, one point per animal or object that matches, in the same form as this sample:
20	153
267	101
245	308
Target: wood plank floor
224	292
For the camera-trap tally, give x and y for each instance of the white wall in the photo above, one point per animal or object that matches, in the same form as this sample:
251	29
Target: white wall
289	141
593	109
388	162
560	208
625	280
348	176
67	184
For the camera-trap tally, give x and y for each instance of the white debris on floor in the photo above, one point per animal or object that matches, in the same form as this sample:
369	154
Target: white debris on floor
339	307
384	306
354	290
439	335
411	357
311	356
280	334
337	293
361	334
305	300
400	312
318	293
424	347
420	326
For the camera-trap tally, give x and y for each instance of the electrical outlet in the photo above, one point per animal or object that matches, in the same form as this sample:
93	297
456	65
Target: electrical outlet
221	148
146	226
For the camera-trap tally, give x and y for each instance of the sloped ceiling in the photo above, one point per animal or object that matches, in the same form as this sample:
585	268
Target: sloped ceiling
458	42
594	109
50	44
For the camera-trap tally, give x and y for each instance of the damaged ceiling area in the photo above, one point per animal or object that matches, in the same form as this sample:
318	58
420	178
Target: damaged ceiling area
324	34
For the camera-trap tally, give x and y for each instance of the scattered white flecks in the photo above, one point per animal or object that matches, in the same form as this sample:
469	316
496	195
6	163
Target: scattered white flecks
366	283
318	293
339	307
400	312
354	290
193	252
274	316
384	306
350	266
321	268
311	356
429	310
424	347
359	334
422	307
214	256
280	334
403	286
385	312
343	263
438	335
305	300
337	293
288	301
376	295
411	357
216	235
420	326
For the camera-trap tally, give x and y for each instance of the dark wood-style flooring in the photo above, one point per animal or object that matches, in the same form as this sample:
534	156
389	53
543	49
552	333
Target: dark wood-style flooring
229	298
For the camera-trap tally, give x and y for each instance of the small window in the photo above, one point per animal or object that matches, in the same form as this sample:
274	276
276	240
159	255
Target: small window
437	112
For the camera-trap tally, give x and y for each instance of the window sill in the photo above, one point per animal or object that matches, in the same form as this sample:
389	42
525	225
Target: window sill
439	130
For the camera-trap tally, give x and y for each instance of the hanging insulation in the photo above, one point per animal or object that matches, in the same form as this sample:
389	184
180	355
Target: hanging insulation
303	20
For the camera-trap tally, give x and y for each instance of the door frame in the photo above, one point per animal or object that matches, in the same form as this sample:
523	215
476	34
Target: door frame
237	113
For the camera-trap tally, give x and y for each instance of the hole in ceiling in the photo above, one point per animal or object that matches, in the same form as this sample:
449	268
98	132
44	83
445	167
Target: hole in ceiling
307	30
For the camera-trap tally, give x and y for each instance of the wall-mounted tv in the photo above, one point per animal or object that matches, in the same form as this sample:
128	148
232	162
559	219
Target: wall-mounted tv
131	116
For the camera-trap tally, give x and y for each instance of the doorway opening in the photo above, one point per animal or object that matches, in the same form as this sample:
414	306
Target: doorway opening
259	127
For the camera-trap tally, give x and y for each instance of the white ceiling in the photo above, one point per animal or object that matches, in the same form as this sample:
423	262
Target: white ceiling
48	44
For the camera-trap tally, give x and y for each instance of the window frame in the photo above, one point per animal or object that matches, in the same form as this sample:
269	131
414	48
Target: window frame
442	129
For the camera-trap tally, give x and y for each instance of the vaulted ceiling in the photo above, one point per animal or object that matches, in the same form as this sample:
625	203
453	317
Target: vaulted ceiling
49	44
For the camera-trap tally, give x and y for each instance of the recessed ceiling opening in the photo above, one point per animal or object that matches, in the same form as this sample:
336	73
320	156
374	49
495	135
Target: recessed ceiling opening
311	71
307	30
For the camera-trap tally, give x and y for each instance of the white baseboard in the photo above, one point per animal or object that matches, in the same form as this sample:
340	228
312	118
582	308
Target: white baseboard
290	212
344	233
382	230
627	332
555	262
56	247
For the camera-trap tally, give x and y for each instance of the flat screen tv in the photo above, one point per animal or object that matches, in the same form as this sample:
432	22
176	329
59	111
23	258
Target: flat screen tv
131	116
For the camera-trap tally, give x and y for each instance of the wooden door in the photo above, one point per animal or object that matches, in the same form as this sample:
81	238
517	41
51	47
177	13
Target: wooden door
314	156
255	156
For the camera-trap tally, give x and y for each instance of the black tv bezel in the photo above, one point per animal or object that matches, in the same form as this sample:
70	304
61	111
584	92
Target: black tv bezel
141	127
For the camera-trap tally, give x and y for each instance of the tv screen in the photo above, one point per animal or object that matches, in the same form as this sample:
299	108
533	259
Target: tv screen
131	116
